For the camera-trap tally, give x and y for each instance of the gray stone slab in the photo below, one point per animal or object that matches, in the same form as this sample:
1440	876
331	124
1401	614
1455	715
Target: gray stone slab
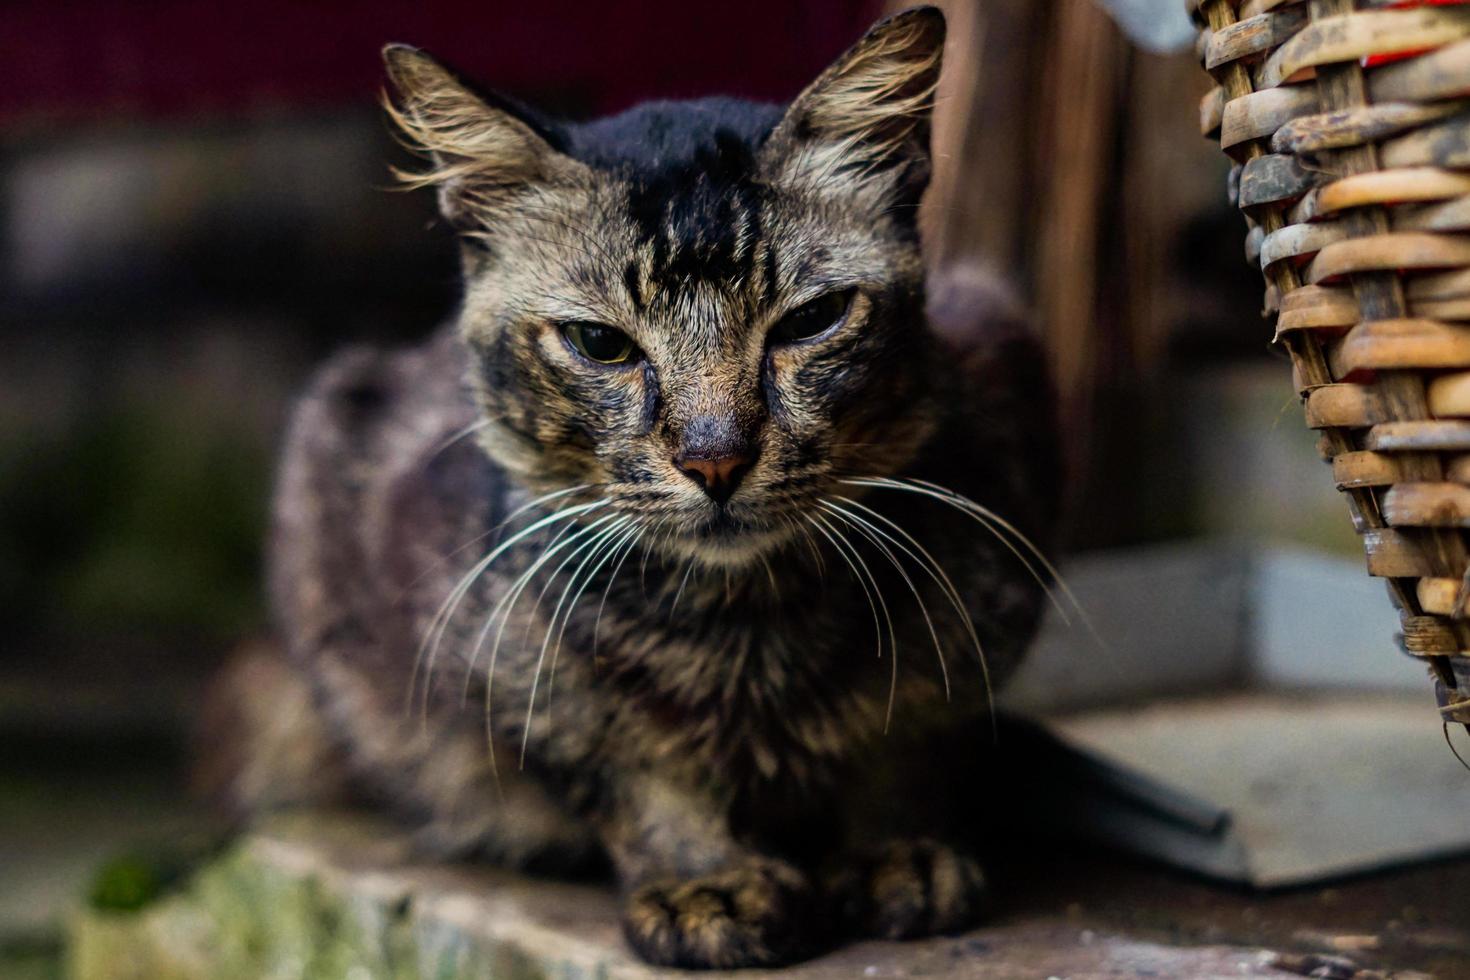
1316	786
332	898
1261	683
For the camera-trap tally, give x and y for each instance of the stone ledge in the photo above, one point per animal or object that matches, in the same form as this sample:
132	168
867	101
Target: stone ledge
339	898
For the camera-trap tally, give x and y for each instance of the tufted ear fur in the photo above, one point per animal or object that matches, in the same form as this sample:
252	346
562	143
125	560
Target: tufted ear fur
866	116
484	149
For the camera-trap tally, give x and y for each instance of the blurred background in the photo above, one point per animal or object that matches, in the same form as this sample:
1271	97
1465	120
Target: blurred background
195	207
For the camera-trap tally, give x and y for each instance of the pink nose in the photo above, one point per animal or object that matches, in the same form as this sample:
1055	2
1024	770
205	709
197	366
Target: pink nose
719	477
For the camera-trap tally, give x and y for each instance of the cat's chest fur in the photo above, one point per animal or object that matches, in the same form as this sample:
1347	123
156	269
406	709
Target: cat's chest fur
584	646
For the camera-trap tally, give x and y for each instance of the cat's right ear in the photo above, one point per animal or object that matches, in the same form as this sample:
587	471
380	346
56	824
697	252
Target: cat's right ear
483	149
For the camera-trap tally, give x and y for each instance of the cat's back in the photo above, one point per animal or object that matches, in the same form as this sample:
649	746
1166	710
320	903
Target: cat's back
372	486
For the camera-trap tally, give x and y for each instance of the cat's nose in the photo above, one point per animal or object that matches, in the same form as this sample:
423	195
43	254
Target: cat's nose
716	450
719	476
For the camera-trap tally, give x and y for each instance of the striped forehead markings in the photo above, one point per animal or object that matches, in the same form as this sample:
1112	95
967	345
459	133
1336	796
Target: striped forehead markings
633	283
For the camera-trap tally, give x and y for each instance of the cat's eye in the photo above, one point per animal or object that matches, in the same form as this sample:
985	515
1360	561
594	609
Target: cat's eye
812	318
599	342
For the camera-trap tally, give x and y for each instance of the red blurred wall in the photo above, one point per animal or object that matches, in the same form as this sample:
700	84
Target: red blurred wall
99	59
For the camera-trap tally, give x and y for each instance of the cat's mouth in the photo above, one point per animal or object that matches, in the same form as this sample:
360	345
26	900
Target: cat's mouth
722	526
726	538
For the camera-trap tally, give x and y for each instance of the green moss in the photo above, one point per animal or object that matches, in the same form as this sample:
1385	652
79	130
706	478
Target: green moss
136	879
236	919
125	884
240	918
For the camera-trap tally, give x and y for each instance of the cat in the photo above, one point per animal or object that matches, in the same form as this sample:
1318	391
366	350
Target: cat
693	546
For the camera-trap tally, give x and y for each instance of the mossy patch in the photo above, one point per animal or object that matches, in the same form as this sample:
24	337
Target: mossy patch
136	879
247	914
125	884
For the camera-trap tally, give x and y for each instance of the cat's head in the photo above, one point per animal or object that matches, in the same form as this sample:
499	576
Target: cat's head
707	311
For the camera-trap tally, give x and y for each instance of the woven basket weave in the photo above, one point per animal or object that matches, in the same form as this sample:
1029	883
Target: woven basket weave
1349	126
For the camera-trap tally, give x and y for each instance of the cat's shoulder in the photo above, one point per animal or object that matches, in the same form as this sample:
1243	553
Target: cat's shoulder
383	400
381	430
380	457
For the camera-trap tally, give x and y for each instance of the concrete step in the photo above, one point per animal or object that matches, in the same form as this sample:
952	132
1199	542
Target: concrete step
340	898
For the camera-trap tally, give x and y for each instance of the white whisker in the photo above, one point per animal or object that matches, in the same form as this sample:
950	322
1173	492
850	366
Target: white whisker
812	545
470	429
611	541
863	528
840	542
946	585
512	594
771	577
439	624
874	535
990	520
689	570
546	641
868	592
627	550
502	613
987	519
544	498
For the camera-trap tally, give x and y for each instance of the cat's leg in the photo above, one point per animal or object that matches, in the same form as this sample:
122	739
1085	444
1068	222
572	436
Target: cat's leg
917	816
755	911
911	887
507	818
694	897
436	771
259	743
265	745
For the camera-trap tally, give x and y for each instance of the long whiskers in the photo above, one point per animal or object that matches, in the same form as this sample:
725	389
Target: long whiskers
679	594
528	505
771	577
501	613
994	523
867	592
439	624
468	430
602	606
512	593
877	536
595	545
991	520
608	545
812	546
841	542
941	578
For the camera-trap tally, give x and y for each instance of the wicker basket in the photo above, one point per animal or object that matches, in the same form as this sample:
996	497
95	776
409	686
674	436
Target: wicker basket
1349	126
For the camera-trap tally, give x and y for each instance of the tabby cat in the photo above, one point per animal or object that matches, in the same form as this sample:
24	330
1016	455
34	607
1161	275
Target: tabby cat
693	546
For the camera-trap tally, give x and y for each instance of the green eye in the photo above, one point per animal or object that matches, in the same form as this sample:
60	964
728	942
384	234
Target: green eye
599	342
812	318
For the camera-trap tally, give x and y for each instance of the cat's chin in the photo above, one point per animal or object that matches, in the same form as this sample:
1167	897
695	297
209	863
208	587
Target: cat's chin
721	542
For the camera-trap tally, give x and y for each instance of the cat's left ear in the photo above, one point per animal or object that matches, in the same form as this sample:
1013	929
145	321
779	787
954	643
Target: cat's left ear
865	120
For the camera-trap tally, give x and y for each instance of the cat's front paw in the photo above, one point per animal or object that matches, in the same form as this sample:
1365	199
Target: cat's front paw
919	887
757	913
